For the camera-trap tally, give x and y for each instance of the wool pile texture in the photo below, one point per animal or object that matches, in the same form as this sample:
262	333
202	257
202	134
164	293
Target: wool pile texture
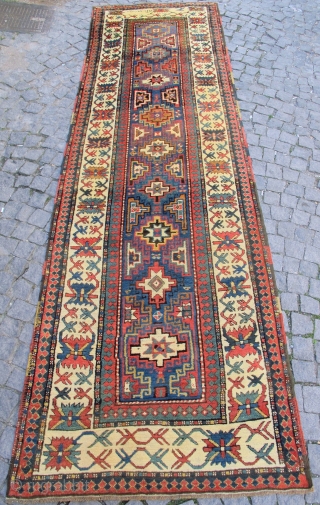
158	364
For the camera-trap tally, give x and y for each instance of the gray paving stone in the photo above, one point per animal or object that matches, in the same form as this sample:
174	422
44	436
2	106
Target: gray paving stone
310	305
314	166
309	269
299	164
24	213
24	249
40	183
26	333
306	206
21	310
297	284
276	243
16	379
39	218
4	467
294	249
304	235
8	400
314	497
38	237
20	358
311	399
314	455
18	267
304	371
12	166
316	240
300	217
270	499
292	499
291	265
301	324
310	425
33	273
312	254
303	348
289	301
5	370
6	441
22	231
236	501
206	501
28	168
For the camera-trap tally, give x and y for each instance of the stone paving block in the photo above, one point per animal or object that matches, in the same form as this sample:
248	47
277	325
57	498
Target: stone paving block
6	227
306	206
18	267
290	175
205	501
39	218
5	370
299	164
26	333
304	371
22	231
12	166
8	400
310	305
301	324
21	310
314	166
309	269
300	217
314	497
270	499
295	189
315	223
297	284
4	467
304	235
236	501
280	213
290	499
291	265
294	249
276	243
311	399
289	201
24	213
310	425
312	254
303	348
24	249
6	441
16	379
314	455
21	289
20	358
28	168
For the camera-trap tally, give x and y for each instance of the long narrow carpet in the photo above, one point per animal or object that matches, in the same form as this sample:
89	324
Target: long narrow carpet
158	364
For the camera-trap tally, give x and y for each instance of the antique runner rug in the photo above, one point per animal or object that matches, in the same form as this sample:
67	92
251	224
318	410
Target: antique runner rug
158	364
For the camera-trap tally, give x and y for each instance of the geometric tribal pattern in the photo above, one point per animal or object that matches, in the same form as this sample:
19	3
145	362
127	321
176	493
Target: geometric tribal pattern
158	356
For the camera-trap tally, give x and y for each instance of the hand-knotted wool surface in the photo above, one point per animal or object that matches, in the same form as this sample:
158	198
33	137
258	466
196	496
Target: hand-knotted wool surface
158	365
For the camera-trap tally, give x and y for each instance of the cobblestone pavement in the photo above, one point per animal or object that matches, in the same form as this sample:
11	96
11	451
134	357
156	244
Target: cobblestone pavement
275	50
